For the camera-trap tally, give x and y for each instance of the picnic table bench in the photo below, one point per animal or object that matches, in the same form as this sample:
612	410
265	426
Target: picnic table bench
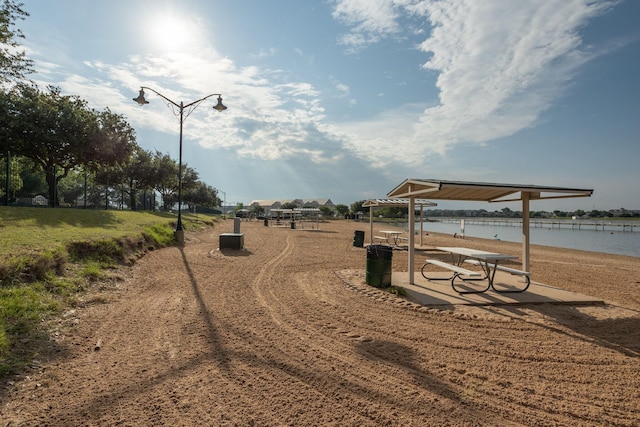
457	270
509	270
487	261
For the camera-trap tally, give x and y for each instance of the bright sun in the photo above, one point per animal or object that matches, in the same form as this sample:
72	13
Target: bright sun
170	33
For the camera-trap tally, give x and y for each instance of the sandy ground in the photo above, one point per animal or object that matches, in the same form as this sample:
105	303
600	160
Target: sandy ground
274	336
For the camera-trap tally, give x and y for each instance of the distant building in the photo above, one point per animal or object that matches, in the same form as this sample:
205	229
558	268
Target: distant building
268	205
624	212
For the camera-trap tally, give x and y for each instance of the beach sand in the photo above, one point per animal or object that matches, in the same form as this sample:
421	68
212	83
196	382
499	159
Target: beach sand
286	333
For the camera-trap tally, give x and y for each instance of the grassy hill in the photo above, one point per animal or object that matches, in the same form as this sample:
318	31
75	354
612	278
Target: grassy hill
48	257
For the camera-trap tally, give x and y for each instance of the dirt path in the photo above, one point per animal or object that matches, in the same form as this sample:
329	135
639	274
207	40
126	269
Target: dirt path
279	334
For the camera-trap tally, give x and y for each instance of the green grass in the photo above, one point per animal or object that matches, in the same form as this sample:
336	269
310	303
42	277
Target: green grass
21	311
49	256
24	229
92	271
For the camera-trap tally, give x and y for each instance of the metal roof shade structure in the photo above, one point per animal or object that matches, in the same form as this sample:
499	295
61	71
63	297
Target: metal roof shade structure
374	203
433	189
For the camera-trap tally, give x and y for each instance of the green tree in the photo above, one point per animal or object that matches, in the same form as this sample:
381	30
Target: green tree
138	175
257	210
33	182
133	175
59	133
342	209
14	64
71	187
624	213
14	181
190	179
111	156
165	177
113	142
326	210
201	194
52	130
357	206
107	177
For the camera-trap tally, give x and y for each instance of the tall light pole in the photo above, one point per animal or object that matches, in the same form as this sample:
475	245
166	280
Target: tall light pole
179	233
224	213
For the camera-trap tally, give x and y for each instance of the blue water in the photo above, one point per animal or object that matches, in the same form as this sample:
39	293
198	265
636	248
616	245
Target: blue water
612	242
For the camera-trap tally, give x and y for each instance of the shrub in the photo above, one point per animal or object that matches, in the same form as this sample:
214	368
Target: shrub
103	250
92	271
32	267
161	234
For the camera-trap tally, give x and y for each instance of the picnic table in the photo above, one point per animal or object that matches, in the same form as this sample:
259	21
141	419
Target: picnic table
489	262
390	237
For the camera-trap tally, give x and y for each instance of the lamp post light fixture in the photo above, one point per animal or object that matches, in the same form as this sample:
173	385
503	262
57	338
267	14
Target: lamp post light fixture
190	107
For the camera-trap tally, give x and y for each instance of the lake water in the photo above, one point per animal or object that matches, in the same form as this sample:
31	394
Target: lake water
612	240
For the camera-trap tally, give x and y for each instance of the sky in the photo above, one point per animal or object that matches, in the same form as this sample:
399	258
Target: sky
345	99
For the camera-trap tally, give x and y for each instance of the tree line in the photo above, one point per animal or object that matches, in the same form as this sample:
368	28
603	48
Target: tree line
55	143
403	212
59	136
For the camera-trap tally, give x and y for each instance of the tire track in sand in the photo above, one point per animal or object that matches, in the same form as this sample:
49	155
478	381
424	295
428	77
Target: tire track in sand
266	273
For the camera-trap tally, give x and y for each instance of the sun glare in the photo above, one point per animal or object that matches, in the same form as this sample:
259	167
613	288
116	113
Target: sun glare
171	33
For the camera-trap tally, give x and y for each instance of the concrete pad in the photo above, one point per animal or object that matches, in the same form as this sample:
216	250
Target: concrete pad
438	293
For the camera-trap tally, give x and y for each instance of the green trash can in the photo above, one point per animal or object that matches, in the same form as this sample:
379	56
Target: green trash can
379	259
358	238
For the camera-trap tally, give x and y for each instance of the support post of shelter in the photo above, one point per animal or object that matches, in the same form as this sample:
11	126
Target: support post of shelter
412	236
525	230
412	201
371	225
421	223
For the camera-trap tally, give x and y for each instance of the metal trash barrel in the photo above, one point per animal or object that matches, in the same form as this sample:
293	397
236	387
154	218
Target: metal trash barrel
266	222
293	225
358	238
379	260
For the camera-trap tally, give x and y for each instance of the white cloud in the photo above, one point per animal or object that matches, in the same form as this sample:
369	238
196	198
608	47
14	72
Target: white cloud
268	116
341	88
264	53
500	65
371	20
385	139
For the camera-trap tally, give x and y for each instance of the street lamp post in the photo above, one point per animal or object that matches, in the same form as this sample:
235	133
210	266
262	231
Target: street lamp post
179	233
224	213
